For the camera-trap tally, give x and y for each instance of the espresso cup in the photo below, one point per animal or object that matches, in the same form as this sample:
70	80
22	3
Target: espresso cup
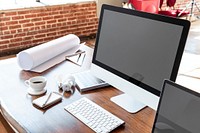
36	83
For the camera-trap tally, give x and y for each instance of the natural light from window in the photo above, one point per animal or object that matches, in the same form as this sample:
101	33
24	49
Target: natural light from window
14	4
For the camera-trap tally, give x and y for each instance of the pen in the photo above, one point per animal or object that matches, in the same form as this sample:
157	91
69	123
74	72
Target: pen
80	52
47	99
82	59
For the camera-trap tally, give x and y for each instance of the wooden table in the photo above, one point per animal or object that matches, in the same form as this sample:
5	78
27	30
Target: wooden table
18	110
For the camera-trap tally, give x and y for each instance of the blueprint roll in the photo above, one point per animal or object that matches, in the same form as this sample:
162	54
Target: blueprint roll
38	55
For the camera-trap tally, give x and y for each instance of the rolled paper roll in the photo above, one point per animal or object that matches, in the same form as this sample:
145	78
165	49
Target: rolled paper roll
35	56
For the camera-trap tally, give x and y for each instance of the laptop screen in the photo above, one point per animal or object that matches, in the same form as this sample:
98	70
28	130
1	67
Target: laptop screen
178	110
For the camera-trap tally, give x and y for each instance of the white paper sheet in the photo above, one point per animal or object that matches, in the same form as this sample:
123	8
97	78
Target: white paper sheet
44	56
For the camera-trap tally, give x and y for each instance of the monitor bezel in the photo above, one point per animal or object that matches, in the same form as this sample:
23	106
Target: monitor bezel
184	23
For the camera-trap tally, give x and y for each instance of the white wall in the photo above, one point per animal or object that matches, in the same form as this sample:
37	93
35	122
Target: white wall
110	2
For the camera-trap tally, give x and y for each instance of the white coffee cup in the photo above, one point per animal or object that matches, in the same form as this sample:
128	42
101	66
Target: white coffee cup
36	83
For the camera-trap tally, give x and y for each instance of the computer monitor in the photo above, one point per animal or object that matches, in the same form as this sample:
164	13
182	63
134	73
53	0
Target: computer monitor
178	110
135	51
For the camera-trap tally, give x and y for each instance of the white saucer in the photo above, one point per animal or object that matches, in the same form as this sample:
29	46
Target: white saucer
32	92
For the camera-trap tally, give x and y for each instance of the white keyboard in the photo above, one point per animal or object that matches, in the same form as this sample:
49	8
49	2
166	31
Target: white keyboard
86	81
94	116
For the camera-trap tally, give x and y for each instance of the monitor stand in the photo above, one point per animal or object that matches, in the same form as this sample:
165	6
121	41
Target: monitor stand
128	103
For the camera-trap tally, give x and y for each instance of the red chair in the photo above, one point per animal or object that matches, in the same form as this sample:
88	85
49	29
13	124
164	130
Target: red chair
173	13
150	6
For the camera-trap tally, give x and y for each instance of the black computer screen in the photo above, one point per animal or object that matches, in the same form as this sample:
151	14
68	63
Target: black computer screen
178	110
140	47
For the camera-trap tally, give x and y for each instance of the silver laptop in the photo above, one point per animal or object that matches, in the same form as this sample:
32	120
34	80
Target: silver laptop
178	110
86	81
